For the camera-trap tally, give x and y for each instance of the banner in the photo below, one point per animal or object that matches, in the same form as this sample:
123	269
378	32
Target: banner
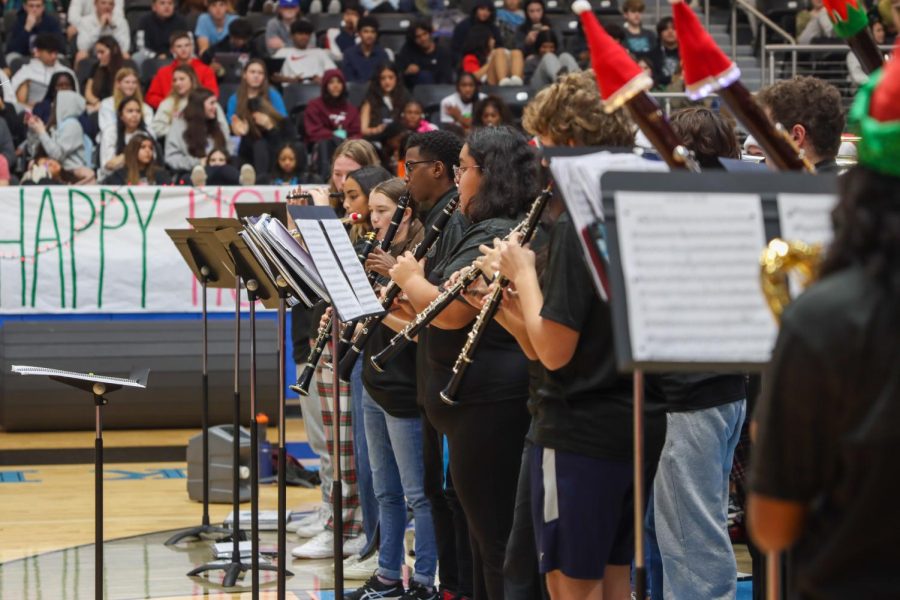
93	249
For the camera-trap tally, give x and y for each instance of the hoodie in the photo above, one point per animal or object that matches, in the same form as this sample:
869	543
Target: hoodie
65	142
322	118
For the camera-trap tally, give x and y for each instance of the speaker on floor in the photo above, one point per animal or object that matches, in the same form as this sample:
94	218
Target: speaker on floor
220	465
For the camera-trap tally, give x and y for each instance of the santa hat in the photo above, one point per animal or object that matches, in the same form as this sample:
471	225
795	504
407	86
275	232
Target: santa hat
706	68
875	115
848	17
618	76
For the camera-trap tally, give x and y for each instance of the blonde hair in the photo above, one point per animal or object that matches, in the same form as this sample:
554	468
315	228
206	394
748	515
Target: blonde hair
571	111
118	96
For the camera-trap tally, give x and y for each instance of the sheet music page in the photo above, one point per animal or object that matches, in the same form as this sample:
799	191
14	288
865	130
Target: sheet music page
806	217
691	268
257	253
342	295
46	372
298	258
257	232
353	269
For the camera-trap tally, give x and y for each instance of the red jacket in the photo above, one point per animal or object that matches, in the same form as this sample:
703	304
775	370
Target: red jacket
162	81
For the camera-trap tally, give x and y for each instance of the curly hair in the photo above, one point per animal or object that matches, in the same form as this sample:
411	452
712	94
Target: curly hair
441	146
509	173
506	117
571	111
811	102
708	134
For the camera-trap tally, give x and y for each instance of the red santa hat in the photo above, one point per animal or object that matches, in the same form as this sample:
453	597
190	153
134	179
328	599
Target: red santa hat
706	68
618	76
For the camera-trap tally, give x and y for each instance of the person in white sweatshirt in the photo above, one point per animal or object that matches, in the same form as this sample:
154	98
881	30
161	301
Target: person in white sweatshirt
79	10
104	20
29	84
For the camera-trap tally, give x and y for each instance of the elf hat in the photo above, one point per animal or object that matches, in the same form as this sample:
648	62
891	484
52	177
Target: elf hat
848	17
875	115
619	78
706	68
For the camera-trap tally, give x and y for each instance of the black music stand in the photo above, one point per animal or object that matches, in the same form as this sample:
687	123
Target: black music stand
98	386
195	247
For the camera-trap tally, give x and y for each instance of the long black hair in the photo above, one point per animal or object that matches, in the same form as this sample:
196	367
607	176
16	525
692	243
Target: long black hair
375	97
509	173
478	42
867	227
120	125
198	128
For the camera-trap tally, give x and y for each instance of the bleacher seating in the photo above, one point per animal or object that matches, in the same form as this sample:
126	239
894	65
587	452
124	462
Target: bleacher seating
516	97
430	96
298	95
394	22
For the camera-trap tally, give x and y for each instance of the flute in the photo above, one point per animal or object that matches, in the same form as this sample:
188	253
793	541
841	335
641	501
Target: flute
323	335
488	310
409	333
393	290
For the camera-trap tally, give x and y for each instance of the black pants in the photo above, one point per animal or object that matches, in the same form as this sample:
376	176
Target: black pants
450	530
521	577
485	456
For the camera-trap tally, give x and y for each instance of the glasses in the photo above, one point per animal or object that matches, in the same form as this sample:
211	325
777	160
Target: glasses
410	164
460	171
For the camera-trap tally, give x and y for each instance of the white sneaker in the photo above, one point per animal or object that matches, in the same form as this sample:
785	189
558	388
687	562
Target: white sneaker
321	546
247	175
198	176
315	525
321	513
354	546
361	569
516	80
506	81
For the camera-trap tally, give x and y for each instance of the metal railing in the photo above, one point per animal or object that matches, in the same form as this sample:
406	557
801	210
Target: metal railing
665	99
763	19
837	69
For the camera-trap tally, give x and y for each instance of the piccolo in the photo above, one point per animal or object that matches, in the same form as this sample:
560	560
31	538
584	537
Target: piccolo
488	310
409	333
304	380
393	290
349	329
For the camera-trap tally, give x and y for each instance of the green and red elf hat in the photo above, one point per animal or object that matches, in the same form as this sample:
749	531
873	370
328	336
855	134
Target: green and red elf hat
875	115
619	77
848	17
706	68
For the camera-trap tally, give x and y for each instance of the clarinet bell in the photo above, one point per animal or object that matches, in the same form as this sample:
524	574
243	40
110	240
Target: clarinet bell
304	381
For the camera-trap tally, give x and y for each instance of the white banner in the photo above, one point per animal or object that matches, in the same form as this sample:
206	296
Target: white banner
102	249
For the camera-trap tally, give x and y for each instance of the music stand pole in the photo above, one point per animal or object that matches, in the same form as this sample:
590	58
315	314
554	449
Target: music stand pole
640	568
254	449
336	486
282	443
98	390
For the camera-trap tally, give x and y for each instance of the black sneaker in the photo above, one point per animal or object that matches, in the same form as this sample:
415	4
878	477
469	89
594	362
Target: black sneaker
417	591
375	590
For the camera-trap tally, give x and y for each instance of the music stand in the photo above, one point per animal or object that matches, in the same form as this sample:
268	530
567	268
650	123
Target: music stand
98	386
195	249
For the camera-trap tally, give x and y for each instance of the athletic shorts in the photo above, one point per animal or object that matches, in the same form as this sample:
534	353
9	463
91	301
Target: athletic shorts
582	509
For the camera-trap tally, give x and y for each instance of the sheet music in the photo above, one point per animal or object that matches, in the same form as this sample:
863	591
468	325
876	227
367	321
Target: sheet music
353	269
274	260
44	371
295	255
806	217
257	253
691	268
339	290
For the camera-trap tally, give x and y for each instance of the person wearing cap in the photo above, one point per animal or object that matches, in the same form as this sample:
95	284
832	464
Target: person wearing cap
31	20
29	84
303	64
361	60
823	478
278	29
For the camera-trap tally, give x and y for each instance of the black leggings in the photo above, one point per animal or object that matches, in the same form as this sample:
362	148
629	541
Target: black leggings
485	456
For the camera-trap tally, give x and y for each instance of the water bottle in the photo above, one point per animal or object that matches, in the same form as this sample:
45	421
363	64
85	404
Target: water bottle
265	448
139	40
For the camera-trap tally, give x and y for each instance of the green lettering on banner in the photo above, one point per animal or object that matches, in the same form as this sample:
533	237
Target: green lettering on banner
143	225
47	200
73	231
103	229
20	241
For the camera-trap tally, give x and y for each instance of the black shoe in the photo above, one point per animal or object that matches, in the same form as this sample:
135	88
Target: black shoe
375	590
417	591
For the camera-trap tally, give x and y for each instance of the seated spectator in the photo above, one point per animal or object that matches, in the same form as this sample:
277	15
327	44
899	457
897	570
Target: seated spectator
665	58
543	67
60	81
113	140
13	6
240	34
184	81
195	133
47	171
103	21
483	13
141	164
303	64
509	19
81	10
262	134
278	29
156	29
31	21
855	73
212	26
290	165
491	65
338	39
127	85
102	78
638	40
361	60
29	84
421	60
413	118
384	100
65	141
7	145
535	22
457	107
813	23
182	49
254	84
330	119
492	112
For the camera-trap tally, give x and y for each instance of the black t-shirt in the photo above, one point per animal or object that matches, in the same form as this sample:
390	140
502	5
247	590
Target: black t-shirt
695	391
500	370
829	435
158	31
586	406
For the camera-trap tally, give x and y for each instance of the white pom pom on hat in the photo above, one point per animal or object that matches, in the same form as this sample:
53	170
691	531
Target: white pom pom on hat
580	6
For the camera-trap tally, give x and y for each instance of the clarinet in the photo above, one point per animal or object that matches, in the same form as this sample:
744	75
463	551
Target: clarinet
409	333
323	336
350	328
393	290
488	310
